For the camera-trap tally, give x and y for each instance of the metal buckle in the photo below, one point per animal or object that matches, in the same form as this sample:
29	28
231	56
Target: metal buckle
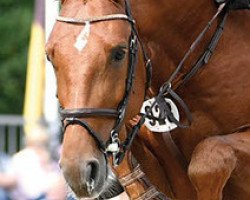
148	62
114	147
68	119
165	88
133	44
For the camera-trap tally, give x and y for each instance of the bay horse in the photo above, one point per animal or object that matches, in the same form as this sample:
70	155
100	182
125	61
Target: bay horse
208	160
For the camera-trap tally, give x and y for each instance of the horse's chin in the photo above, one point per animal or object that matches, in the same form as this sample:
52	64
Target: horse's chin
111	189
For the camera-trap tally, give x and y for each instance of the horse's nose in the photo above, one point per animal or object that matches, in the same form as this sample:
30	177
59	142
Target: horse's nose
92	174
84	178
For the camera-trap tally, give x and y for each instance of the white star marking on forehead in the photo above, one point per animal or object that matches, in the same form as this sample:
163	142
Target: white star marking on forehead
82	39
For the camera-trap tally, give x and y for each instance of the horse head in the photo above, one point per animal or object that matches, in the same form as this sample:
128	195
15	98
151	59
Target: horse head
92	48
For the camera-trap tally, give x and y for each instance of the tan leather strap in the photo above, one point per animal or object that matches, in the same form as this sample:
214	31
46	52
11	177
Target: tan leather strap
132	177
151	193
137	176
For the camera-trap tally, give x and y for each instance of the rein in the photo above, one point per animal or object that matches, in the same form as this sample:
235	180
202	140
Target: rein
166	88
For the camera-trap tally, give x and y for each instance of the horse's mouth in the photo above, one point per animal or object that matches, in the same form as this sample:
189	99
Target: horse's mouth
112	188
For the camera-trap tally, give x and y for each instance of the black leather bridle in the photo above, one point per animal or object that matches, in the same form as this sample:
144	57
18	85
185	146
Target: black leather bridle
114	146
75	116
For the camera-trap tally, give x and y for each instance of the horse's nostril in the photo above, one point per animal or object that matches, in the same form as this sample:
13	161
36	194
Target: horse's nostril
92	173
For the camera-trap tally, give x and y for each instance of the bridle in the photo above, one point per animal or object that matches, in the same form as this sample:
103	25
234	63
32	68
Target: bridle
74	116
114	146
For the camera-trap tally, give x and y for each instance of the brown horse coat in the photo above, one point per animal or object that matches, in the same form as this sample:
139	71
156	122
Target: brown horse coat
216	148
209	160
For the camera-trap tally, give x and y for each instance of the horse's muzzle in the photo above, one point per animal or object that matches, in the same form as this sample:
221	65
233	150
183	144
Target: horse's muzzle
87	178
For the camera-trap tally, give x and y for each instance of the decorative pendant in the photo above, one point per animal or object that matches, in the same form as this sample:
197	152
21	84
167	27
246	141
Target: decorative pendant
153	121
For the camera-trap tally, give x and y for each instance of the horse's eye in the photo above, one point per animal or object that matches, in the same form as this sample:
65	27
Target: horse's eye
118	55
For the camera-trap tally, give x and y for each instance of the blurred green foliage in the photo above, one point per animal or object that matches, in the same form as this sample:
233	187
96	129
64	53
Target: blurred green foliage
15	24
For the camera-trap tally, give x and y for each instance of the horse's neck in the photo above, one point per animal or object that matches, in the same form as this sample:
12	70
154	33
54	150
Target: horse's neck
168	29
168	33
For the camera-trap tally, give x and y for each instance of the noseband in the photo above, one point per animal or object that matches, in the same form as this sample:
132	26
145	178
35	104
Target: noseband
74	116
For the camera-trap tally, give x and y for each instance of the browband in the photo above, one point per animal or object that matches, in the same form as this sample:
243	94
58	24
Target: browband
95	19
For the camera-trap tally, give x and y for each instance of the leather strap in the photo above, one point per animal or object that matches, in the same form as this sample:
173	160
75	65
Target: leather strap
150	194
88	112
99	142
194	44
204	59
166	87
137	176
95	19
132	177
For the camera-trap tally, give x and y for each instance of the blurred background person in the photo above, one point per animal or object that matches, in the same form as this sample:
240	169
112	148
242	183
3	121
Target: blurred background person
32	173
28	89
6	181
35	176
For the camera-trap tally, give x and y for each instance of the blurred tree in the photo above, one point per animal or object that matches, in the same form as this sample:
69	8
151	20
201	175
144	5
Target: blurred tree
15	24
